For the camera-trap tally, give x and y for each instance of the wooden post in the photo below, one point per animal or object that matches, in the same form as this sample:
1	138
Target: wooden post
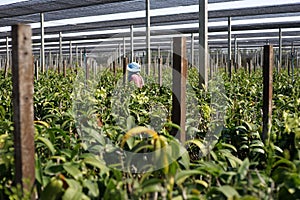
7	59
71	55
292	60
148	50
267	91
160	71
22	79
65	68
81	64
60	62
179	86
125	63
280	51
86	66
114	68
42	43
155	64
229	60
36	69
203	42
131	44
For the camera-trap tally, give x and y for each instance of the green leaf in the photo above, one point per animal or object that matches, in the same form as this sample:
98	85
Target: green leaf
243	169
228	191
181	176
257	150
93	161
48	144
152	188
72	170
72	193
93	188
53	190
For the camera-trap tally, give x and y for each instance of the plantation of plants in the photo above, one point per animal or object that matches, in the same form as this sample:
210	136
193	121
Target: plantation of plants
236	164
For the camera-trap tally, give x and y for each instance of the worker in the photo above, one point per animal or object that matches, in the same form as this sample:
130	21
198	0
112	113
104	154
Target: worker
134	75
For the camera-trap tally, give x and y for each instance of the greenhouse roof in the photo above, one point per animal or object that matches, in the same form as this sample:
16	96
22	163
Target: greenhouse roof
85	20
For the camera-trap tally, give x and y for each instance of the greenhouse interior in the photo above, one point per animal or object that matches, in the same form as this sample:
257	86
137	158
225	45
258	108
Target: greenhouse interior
150	99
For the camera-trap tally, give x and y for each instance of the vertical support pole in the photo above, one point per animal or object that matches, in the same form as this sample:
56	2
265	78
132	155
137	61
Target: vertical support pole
217	60
36	69
235	54
22	78
7	58
86	66
114	68
125	63
158	51
57	60
267	91
65	68
148	50
179	86
71	55
50	62
119	55
60	53
280	51
42	43
292	60
81	60
203	42
160	59
124	47
131	44
229	47
77	57
192	49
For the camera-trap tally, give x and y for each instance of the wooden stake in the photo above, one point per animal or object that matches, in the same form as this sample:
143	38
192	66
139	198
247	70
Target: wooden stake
267	91
125	63
160	71
114	68
22	78
179	86
65	68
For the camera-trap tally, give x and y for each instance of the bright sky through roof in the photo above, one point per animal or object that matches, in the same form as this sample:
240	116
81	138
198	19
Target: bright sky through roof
165	11
4	2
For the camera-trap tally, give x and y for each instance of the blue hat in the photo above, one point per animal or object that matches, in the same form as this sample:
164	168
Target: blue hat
133	67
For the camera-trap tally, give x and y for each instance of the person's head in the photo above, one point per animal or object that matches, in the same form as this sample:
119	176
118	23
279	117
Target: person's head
133	67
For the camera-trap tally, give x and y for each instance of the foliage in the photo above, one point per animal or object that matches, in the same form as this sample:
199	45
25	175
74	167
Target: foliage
233	164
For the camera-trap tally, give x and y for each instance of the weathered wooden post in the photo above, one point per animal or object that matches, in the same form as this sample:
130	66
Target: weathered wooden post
125	63
86	66
81	64
148	26
229	60
114	68
22	79
292	60
60	62
235	54
131	44
50	61
267	90
160	59
203	43
179	86
7	59
280	51
42	43
70	55
36	69
65	68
